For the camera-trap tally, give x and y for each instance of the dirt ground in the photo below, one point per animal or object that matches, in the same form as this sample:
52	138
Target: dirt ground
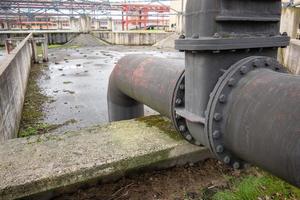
194	181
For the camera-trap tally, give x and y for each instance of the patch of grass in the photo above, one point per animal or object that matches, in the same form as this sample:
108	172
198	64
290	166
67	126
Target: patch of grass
37	129
262	186
67	82
42	128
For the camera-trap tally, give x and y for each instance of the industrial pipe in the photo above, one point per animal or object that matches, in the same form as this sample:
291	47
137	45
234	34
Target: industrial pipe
265	107
233	97
139	80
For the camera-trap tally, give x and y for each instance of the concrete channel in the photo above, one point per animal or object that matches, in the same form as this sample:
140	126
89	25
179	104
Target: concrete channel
90	149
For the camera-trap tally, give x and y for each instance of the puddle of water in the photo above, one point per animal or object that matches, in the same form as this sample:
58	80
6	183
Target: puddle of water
2	54
77	80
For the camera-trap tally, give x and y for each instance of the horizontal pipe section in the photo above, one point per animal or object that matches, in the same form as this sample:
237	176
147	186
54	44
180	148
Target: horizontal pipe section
140	79
262	122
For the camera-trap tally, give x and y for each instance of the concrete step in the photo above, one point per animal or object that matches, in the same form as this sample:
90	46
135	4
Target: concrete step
37	164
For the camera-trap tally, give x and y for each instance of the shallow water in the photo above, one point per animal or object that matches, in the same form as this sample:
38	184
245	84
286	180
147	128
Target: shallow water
77	81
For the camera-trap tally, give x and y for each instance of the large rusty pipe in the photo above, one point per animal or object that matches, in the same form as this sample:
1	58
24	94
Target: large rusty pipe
262	122
139	80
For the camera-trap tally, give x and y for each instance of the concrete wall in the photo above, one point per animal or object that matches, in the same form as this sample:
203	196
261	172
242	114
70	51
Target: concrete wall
130	38
14	72
290	56
53	37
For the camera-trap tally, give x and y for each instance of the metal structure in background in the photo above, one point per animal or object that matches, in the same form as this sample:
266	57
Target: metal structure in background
234	97
39	12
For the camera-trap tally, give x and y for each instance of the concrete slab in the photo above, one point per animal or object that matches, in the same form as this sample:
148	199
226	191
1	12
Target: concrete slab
41	163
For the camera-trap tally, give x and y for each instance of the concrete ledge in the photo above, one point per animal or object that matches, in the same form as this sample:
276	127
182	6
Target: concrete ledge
41	163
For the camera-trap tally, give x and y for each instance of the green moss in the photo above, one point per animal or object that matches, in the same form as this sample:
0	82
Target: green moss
38	128
34	100
162	124
259	186
53	46
67	82
141	162
32	115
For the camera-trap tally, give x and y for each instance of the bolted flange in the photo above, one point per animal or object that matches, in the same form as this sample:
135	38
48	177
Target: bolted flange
218	100
179	121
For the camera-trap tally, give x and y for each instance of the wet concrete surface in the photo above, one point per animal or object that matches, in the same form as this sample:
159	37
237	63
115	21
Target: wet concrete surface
77	81
2	54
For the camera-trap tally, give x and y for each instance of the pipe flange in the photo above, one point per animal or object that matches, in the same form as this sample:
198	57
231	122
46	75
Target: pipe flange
218	100
179	121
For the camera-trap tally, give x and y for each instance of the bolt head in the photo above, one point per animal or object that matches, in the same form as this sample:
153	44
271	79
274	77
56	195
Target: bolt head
216	134
181	86
236	165
244	70
227	160
217	116
182	37
231	82
220	149
222	98
188	137
217	35
178	101
182	128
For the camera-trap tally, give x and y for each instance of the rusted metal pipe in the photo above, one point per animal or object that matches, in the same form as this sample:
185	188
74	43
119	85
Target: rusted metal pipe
139	80
262	123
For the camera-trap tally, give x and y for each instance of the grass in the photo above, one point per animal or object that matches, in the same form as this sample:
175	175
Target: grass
260	186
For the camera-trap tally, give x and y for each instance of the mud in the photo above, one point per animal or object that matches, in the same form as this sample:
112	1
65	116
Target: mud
77	81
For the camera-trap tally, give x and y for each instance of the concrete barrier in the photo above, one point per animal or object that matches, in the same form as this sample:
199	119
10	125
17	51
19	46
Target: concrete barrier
131	38
14	72
48	164
54	37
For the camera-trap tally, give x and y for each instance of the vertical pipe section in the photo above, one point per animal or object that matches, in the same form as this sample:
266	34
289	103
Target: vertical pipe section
140	79
262	123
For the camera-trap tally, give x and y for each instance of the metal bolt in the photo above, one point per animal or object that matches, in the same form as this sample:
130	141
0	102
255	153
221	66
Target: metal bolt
231	82
216	51
236	165
217	35
244	70
178	101
220	149
182	37
227	160
222	98
181	86
182	128
195	36
217	116
216	134
188	137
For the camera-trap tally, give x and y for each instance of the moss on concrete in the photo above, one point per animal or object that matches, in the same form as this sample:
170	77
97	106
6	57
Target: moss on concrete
32	115
163	124
34	99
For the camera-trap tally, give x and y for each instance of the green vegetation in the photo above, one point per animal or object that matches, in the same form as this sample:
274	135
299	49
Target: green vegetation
67	82
162	124
257	186
35	129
